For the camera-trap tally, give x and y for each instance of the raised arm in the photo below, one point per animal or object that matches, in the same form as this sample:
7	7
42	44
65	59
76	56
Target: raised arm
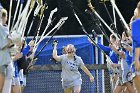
106	49
55	56
120	53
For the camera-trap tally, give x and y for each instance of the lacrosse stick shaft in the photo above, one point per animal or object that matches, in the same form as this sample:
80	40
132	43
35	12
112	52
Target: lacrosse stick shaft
10	10
120	15
15	13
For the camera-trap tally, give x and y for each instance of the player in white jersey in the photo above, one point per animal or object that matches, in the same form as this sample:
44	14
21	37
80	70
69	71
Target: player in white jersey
71	77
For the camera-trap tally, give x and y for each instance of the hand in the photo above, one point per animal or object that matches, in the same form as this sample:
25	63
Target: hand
55	42
124	44
31	43
32	56
18	55
31	66
111	46
137	66
91	78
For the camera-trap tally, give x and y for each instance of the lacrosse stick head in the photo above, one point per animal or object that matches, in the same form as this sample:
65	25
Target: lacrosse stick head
64	18
40	2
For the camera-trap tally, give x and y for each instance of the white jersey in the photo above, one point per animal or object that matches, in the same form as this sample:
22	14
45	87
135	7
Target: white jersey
70	68
5	57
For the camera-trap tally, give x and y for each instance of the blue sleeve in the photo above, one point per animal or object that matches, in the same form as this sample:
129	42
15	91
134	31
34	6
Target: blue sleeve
136	30
106	49
25	51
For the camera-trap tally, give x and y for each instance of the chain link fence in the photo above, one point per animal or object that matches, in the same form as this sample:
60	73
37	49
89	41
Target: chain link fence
49	81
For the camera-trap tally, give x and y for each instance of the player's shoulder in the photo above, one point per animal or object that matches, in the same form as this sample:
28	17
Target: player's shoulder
137	21
78	57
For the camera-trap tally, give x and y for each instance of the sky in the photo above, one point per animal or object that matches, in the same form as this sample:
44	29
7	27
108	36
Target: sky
71	26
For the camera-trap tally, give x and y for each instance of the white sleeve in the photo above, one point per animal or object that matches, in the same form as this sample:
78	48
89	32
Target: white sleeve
81	63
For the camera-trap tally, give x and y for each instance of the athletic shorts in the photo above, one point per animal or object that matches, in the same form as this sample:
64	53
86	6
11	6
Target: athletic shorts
16	81
73	83
10	71
23	81
126	76
3	69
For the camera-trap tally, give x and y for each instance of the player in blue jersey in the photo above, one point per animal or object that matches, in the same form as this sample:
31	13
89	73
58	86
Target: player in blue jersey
114	58
125	62
126	42
135	25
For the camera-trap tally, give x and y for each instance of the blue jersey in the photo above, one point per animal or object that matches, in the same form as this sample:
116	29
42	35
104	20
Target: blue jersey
111	53
136	30
128	58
